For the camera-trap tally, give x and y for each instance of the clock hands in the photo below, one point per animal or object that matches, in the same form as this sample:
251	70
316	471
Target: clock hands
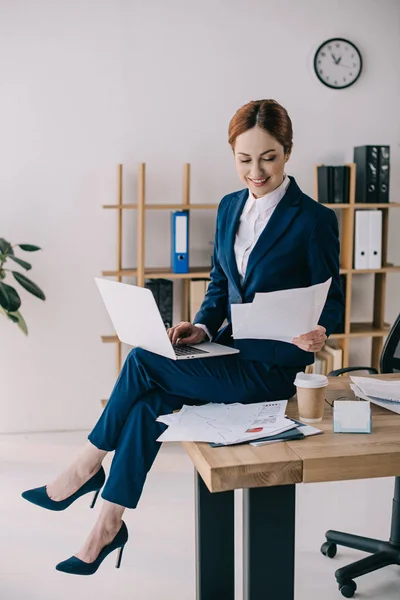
336	60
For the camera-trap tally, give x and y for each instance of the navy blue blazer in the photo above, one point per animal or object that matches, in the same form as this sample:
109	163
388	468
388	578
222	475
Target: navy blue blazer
298	247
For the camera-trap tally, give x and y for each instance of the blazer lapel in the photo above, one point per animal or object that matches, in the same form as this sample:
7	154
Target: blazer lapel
233	217
286	210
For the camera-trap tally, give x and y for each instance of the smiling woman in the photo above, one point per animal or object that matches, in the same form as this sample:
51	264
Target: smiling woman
260	135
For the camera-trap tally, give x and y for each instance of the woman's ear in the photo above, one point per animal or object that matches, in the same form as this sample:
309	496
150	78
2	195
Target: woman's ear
287	156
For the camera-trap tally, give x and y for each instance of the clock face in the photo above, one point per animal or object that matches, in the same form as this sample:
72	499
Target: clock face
338	63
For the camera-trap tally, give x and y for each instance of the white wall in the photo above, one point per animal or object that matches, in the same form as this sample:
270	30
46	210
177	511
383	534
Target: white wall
85	85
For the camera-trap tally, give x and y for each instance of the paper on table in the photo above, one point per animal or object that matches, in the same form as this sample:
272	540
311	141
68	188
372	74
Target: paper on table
389	404
225	423
211	422
280	315
378	388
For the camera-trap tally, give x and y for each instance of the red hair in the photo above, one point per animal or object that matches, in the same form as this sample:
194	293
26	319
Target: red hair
267	114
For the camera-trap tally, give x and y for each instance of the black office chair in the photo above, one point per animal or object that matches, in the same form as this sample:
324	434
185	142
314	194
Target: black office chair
382	553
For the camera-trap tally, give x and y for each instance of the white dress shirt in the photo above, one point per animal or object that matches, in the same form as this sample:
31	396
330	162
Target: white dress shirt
255	215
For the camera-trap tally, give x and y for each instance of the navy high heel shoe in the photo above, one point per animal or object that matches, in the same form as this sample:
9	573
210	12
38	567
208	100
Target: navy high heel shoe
40	497
76	566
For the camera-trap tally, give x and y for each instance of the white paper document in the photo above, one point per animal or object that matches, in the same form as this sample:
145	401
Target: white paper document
389	404
225	423
280	315
378	388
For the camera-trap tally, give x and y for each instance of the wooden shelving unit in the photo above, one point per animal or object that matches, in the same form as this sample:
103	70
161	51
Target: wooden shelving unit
377	329
141	272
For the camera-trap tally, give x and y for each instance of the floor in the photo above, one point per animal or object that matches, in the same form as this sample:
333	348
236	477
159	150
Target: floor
158	561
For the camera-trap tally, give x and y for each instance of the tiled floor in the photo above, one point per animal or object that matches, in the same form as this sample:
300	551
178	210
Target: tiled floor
158	561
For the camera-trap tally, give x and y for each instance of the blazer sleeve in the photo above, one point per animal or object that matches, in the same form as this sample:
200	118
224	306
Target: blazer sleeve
324	262
214	307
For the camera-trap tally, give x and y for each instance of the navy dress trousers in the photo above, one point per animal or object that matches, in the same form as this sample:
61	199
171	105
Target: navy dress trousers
298	247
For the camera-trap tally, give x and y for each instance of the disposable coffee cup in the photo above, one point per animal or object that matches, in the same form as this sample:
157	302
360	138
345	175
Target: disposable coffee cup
310	396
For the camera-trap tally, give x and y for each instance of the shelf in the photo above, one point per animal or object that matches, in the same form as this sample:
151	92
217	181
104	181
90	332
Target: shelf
109	339
388	269
162	206
356	330
362	330
204	272
160	273
388	205
362	205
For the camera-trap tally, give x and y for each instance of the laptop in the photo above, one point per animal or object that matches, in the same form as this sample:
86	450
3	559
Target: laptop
138	322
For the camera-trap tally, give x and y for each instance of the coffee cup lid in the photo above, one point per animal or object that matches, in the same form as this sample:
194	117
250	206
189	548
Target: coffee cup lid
310	380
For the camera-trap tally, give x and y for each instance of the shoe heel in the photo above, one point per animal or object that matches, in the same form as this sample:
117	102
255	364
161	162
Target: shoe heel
119	557
94	498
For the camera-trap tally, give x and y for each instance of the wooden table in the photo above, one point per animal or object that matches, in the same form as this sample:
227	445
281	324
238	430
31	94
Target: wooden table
268	476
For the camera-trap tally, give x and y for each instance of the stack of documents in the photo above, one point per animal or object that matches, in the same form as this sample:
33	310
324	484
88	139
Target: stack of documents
384	393
280	315
226	423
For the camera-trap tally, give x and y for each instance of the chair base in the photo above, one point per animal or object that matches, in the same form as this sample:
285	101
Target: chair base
382	553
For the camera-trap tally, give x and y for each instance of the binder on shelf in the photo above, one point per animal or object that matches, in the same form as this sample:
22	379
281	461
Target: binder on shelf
180	241
372	174
375	239
333	184
383	174
324	184
361	240
368	239
341	184
337	356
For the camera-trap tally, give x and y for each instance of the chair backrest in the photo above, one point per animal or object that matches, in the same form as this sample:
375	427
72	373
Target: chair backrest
390	357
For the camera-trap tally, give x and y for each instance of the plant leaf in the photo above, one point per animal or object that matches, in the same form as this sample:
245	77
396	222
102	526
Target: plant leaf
5	247
20	322
17	318
28	285
21	262
28	247
9	298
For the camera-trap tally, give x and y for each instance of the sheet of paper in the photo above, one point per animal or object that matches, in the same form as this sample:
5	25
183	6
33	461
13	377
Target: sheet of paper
211	422
225	423
280	315
378	388
393	406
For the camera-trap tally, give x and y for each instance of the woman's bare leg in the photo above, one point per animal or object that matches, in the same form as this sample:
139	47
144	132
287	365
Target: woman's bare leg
86	464
106	528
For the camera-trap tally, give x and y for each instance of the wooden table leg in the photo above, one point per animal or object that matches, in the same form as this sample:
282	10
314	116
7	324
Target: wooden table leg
215	543
268	542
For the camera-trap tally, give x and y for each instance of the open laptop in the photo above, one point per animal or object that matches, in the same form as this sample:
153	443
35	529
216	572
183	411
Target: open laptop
137	321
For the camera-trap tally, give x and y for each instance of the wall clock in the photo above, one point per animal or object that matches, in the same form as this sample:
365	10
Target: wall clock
338	63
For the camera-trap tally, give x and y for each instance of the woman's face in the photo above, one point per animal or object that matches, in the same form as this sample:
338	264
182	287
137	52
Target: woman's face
260	161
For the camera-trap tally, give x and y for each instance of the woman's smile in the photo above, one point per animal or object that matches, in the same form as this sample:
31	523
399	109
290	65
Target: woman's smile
259	182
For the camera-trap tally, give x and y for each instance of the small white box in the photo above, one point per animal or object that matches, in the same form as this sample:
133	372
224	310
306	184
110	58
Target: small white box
352	416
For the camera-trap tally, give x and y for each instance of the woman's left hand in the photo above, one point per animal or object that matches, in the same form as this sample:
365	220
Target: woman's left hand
312	341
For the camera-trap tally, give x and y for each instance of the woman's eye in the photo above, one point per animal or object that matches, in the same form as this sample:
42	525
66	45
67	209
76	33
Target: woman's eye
265	159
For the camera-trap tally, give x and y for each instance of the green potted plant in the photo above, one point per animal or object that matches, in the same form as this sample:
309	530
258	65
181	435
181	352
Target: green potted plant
10	301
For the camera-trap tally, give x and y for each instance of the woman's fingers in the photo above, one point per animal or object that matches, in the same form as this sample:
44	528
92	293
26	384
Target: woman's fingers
179	331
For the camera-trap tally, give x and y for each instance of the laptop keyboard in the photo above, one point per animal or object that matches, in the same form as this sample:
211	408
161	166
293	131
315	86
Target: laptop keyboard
183	350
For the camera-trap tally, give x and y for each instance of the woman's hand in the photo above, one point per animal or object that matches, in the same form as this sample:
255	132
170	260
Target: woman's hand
312	341
186	333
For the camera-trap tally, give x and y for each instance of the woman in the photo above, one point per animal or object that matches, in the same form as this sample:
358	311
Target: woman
269	236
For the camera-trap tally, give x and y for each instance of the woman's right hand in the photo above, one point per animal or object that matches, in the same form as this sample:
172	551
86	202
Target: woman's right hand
186	333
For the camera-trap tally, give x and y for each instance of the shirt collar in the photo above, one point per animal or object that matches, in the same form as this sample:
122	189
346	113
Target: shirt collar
268	201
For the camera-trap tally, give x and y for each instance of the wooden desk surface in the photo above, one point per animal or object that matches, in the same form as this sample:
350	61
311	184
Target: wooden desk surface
326	457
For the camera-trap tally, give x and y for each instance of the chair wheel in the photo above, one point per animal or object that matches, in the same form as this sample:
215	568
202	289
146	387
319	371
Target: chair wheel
348	588
329	549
